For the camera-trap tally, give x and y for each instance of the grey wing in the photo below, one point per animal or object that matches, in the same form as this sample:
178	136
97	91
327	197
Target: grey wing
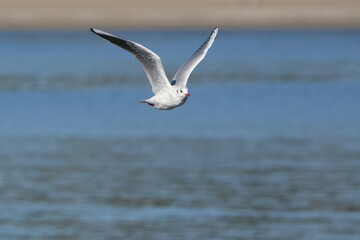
182	75
149	60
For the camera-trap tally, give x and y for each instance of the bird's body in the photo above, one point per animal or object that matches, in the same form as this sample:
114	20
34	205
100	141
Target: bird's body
166	100
167	96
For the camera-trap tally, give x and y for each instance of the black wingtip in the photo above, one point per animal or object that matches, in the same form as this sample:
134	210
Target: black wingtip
92	30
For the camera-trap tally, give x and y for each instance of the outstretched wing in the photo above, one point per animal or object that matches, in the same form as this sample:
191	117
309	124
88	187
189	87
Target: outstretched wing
182	75
149	60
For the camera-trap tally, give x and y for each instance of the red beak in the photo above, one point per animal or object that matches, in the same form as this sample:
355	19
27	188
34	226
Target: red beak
188	94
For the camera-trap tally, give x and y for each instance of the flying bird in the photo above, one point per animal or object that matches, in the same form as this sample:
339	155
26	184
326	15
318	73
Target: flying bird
167	95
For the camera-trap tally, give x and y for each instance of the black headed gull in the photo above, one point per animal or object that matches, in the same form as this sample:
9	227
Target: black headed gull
167	95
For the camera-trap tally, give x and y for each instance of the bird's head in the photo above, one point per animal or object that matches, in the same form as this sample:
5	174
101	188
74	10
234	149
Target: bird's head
183	91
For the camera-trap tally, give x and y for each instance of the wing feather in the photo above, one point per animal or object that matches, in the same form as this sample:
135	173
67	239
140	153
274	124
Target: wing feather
150	61
182	75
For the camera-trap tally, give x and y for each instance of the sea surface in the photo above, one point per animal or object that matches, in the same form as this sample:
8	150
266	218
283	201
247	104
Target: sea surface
266	147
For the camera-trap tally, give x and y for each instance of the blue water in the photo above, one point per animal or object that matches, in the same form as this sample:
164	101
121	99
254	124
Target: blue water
266	147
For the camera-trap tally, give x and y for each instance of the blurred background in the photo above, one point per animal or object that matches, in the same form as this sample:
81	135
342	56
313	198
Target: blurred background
79	14
266	147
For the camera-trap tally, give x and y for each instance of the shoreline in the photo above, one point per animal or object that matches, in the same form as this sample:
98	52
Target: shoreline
162	14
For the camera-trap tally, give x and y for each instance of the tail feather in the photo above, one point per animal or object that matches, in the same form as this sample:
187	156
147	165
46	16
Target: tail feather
148	102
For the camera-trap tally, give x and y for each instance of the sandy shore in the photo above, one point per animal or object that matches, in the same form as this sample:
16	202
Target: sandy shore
78	14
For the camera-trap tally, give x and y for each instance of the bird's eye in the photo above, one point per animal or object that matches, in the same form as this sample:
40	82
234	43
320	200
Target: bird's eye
180	90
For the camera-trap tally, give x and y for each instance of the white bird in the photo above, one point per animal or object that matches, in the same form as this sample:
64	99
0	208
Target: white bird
167	95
